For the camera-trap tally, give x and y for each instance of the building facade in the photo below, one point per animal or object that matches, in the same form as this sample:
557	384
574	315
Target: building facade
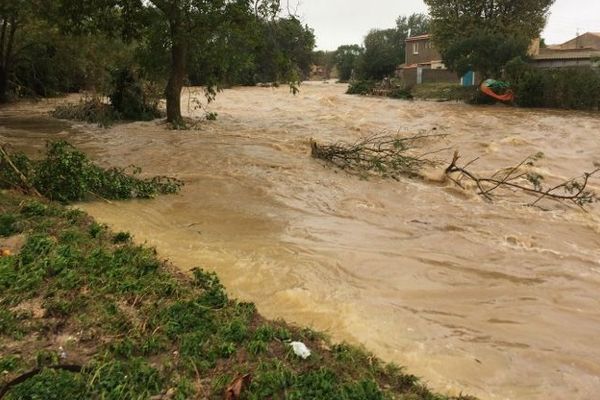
424	64
582	51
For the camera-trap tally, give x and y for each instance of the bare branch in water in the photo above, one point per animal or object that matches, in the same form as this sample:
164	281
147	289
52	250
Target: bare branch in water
391	156
516	178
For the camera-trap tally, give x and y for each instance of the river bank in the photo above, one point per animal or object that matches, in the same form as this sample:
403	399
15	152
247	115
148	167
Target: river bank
469	295
121	323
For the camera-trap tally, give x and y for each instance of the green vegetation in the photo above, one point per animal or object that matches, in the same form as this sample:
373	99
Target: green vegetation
347	60
570	88
445	91
92	110
428	91
383	51
130	98
483	36
391	89
77	294
363	88
66	174
118	46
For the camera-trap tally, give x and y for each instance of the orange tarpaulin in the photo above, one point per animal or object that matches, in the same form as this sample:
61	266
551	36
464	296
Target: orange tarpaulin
508	96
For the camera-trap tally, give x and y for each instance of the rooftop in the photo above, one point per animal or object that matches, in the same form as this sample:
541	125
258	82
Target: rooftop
420	37
573	54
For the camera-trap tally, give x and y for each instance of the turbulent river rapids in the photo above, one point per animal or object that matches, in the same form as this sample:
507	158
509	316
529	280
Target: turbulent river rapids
495	299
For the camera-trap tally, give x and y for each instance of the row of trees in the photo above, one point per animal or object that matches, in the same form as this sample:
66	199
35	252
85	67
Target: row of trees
479	35
52	46
382	51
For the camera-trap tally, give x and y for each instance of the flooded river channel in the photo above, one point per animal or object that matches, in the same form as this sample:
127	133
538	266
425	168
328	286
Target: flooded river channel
493	299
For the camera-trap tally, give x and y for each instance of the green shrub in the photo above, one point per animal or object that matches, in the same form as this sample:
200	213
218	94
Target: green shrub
8	224
130	99
50	385
445	91
361	87
568	88
66	174
89	109
401	93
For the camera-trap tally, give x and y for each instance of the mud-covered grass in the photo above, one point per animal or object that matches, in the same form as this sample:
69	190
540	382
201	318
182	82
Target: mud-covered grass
74	293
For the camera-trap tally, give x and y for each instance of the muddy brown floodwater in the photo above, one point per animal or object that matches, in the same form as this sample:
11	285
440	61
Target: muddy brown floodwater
497	300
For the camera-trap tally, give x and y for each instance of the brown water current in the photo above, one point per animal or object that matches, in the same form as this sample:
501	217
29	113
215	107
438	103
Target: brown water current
497	300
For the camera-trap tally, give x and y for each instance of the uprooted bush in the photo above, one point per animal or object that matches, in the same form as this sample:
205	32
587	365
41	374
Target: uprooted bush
66	174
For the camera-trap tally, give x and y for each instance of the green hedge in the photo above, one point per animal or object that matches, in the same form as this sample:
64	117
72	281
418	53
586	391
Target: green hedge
567	88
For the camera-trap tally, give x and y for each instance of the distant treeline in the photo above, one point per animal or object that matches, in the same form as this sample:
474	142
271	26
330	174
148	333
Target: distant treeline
381	53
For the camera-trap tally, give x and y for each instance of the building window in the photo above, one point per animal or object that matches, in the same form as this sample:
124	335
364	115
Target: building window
416	48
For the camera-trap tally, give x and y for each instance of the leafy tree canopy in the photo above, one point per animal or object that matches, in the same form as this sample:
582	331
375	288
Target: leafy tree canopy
211	42
469	32
383	49
346	60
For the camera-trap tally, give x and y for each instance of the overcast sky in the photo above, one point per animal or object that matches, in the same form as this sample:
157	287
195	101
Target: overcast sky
338	22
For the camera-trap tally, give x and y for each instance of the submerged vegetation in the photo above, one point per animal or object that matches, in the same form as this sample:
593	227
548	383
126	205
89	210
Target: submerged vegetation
66	175
95	316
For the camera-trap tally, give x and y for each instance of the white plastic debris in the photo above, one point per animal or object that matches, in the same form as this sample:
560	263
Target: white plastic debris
300	350
62	353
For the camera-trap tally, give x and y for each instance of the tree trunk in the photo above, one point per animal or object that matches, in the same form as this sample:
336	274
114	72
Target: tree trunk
177	75
3	85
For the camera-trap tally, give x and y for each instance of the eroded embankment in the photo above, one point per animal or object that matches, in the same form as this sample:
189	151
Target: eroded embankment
472	296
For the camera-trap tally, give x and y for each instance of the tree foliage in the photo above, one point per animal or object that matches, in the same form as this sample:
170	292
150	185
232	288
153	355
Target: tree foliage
63	45
347	60
383	53
486	52
484	35
385	49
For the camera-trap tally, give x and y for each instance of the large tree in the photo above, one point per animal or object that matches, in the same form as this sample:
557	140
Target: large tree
469	32
385	49
195	24
383	53
13	16
346	60
179	33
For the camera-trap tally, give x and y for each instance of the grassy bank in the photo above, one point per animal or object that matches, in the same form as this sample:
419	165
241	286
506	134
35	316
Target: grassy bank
129	326
445	92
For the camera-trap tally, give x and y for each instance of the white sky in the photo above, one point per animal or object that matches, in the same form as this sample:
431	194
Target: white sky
338	22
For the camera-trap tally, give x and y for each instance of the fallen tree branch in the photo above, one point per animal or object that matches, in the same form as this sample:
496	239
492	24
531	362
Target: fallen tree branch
574	190
26	185
392	155
381	154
